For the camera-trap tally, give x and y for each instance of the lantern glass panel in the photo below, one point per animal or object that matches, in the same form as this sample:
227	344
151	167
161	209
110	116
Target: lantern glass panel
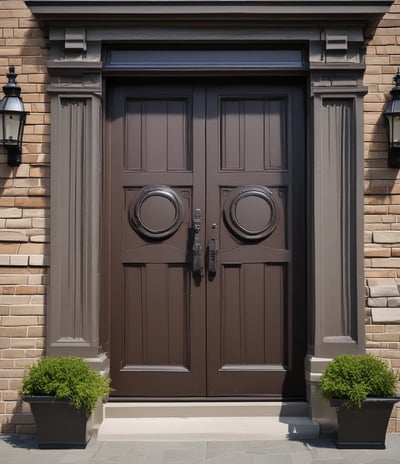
12	123
395	130
1	120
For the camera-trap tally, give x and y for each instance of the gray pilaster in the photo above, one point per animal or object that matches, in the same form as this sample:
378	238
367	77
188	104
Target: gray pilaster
76	172
337	193
75	225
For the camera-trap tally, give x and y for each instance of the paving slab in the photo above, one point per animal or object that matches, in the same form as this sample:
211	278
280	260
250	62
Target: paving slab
23	449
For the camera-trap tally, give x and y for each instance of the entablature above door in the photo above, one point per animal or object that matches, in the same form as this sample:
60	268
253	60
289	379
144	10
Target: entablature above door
331	34
299	11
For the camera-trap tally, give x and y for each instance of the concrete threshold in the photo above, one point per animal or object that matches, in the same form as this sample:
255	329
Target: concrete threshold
206	422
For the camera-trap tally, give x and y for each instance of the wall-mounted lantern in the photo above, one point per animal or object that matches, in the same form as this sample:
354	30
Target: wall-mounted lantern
392	119
12	119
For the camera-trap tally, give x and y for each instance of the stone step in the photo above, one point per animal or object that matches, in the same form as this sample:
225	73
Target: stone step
205	409
206	422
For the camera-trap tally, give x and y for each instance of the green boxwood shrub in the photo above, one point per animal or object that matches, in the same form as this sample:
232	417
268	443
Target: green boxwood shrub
355	378
66	377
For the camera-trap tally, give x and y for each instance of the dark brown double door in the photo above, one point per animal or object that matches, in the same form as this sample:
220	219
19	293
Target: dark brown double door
206	220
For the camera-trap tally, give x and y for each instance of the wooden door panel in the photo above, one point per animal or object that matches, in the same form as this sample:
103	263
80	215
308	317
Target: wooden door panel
253	133
158	134
157	318
273	246
137	248
252	316
157	321
255	301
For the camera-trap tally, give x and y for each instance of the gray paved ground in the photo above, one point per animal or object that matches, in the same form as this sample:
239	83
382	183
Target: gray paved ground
24	450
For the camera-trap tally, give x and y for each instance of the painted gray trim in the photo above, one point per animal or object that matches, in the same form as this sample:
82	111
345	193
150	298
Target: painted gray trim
337	252
249	32
320	409
74	228
80	31
298	10
221	58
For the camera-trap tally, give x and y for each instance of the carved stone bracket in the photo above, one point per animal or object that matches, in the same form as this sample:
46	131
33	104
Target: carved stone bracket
75	39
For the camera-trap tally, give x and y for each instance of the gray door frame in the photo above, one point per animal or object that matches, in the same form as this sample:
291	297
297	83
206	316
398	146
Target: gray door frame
332	33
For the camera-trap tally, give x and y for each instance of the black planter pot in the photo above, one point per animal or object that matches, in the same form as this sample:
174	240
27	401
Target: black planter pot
363	427
59	425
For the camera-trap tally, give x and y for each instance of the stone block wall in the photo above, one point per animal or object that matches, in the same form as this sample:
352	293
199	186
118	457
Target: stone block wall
382	202
23	215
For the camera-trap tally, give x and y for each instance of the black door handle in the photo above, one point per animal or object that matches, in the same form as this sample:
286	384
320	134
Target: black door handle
196	249
212	258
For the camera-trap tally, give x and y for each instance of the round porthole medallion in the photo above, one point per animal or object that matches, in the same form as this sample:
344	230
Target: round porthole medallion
156	212
251	212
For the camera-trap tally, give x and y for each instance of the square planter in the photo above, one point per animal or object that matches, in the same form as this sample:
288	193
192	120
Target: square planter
59	425
363	427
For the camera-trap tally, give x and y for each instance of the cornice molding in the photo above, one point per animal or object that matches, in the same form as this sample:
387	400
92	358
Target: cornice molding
295	11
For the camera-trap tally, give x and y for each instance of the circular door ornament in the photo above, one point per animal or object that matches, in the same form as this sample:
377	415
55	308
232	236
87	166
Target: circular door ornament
156	212
251	212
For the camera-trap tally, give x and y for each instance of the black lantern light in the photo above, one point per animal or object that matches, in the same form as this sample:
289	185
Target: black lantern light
12	119
392	119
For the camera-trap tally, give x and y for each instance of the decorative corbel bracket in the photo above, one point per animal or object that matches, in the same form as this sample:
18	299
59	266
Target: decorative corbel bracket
337	47
336	43
75	39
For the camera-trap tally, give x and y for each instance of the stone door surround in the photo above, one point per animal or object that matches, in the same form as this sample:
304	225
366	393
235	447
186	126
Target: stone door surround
331	36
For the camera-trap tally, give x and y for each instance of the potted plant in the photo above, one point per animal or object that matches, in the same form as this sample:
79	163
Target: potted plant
362	390
63	392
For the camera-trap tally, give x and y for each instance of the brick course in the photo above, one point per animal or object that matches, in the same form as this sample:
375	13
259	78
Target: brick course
24	214
382	202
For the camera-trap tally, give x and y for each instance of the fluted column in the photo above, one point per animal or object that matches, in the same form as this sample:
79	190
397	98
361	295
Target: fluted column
73	326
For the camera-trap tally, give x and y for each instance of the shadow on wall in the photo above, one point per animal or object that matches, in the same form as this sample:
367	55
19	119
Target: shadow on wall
382	234
381	193
24	213
23	277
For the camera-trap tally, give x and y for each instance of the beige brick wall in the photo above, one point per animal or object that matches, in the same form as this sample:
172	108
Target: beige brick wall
24	210
23	215
382	202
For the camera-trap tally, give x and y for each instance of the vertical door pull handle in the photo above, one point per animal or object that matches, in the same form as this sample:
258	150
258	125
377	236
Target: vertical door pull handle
212	258
196	249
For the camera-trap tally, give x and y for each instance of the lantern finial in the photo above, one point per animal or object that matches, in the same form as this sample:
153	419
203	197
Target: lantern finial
395	92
